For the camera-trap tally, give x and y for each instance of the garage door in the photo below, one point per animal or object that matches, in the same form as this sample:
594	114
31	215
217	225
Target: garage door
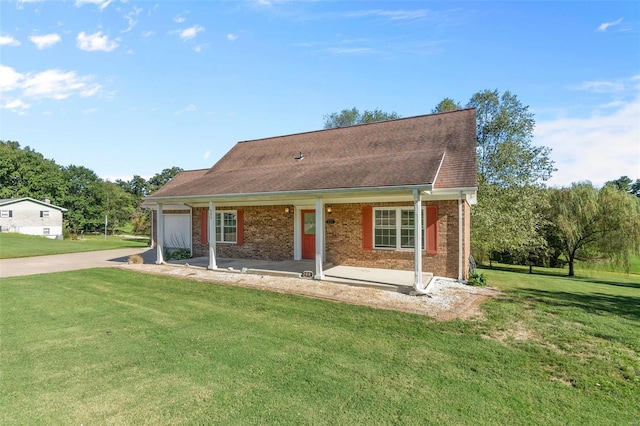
177	231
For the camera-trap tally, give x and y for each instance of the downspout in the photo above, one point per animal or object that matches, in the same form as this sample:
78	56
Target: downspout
417	238
460	233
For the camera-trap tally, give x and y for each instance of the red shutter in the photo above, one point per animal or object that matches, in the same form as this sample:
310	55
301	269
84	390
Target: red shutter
240	227
204	226
367	228
432	229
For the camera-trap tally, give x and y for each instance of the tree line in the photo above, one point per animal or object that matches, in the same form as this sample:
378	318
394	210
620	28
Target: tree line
88	198
519	219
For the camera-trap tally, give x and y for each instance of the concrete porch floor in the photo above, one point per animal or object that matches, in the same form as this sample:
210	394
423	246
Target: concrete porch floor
385	279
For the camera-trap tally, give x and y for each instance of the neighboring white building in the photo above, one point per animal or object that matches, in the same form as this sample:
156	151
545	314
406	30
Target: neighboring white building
32	217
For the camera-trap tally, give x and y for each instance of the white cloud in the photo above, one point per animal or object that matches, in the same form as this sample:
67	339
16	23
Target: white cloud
207	154
16	105
102	4
130	17
50	84
7	40
191	32
188	108
179	19
147	34
394	15
598	148
605	25
199	48
232	37
44	41
97	41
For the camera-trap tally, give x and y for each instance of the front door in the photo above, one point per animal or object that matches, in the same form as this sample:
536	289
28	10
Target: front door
308	234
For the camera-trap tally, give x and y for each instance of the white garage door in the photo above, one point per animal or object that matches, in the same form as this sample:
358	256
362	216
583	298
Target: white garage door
177	231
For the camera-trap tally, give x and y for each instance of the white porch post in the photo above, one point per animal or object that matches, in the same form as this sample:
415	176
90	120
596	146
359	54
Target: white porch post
159	234
319	239
211	229
417	237
460	257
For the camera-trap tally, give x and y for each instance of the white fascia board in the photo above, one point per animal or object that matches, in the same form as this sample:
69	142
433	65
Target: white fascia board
295	197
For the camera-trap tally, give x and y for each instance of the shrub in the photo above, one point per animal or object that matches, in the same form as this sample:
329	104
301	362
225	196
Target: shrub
477	279
135	258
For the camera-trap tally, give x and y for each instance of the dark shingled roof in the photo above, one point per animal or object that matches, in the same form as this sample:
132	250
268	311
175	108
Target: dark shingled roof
438	149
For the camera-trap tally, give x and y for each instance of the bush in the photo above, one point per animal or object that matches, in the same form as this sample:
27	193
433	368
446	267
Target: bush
476	279
176	253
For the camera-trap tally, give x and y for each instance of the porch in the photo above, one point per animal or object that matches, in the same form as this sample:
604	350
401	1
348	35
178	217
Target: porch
382	279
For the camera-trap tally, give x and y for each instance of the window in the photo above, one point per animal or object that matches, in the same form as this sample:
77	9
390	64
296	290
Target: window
393	228
46	231
229	226
44	213
5	213
226	227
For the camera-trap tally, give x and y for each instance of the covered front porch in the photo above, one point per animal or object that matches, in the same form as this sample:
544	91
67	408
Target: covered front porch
384	279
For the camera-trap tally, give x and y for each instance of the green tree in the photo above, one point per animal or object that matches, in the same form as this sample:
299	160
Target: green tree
351	117
137	186
83	199
159	179
504	129
624	183
446	105
595	224
26	173
118	205
511	173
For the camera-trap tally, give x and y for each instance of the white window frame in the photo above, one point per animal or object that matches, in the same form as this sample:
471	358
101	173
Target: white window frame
45	213
220	233
398	228
46	231
4	213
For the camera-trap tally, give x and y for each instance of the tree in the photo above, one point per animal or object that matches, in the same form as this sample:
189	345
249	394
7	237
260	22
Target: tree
137	186
83	199
117	204
624	183
511	173
26	173
159	179
504	128
446	105
351	117
591	223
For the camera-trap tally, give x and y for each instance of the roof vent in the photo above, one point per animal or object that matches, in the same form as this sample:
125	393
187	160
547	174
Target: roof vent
46	201
299	157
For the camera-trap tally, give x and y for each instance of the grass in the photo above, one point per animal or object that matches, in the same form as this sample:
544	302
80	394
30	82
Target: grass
14	245
114	346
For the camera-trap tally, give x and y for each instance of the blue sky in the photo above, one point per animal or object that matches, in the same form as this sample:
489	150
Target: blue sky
133	87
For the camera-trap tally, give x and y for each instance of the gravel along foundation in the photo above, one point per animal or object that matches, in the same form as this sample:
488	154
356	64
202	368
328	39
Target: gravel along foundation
447	298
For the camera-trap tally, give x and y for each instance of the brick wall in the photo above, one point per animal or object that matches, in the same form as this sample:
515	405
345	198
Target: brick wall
268	234
344	241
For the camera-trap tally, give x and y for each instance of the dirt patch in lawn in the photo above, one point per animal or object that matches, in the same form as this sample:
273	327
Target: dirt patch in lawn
447	299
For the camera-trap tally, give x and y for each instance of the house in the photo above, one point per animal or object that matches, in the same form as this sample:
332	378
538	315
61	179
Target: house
349	196
30	216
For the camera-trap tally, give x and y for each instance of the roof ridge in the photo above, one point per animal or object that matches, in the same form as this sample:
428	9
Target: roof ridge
355	125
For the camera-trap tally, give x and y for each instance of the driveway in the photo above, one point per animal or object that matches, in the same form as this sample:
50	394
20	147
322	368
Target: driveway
70	262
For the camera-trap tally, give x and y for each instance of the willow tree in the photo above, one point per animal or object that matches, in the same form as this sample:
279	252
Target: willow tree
591	223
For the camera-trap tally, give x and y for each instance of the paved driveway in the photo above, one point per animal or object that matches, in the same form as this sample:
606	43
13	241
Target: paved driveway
69	262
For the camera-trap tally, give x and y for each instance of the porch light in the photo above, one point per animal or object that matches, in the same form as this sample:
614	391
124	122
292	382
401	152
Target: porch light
287	209
329	209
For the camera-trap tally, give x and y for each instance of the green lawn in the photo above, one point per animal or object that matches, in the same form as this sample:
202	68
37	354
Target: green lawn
114	346
17	245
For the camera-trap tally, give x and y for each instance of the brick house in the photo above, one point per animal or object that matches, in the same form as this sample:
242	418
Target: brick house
32	217
349	196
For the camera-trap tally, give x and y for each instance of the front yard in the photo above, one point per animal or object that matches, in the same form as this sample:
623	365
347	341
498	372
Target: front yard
114	346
